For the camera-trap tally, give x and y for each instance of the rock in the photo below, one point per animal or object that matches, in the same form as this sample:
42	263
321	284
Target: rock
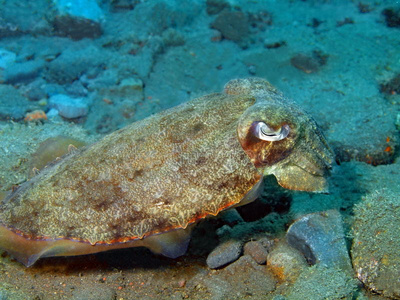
392	87
320	237
78	19
249	277
224	254
13	105
29	17
121	5
34	91
7	58
74	62
233	25
286	263
97	292
24	71
216	6
319	282
376	243
309	63
52	89
68	107
172	38
8	29
257	251
76	28
88	9
392	17
76	89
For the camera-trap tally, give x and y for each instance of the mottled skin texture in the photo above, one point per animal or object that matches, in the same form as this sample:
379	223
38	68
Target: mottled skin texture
170	170
154	175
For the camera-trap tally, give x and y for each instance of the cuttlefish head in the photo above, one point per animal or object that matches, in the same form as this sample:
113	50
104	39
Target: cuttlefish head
281	139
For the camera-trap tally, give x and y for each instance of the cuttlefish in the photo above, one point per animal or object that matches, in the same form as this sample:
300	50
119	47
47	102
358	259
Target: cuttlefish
148	183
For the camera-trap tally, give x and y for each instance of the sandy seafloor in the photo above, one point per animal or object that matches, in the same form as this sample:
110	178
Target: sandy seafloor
339	60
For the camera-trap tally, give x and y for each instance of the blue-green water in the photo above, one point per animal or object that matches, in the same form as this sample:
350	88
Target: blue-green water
84	69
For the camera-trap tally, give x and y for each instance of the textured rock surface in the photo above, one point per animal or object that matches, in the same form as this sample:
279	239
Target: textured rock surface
319	282
376	243
13	105
233	25
24	71
320	237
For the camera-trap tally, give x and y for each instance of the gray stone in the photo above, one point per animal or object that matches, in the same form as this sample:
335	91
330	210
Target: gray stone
68	107
320	237
23	72
224	254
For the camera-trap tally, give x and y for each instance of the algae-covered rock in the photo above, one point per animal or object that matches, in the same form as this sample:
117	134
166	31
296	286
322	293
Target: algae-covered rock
319	282
320	237
376	244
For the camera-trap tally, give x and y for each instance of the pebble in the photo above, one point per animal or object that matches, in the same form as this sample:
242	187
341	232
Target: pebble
320	237
224	253
257	251
68	107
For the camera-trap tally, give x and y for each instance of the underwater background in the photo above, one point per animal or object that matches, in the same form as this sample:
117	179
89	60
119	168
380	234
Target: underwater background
73	71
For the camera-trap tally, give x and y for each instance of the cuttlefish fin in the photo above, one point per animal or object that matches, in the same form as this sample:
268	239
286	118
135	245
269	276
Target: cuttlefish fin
24	250
171	244
27	251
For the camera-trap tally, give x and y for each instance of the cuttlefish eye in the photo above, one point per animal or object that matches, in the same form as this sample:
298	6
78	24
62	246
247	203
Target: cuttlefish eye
266	133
